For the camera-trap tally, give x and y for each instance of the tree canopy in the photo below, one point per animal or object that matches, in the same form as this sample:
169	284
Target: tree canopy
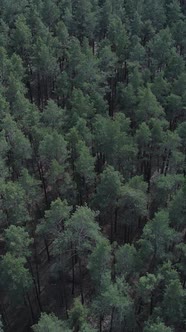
93	165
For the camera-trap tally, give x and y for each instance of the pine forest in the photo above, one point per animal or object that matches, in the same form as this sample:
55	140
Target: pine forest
93	165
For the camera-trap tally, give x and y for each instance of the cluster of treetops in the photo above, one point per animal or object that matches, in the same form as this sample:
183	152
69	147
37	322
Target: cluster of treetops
93	163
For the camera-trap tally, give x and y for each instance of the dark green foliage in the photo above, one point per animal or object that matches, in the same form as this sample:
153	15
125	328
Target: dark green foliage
15	276
50	323
93	165
157	327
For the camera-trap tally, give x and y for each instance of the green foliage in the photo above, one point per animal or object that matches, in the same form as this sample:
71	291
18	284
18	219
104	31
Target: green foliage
31	187
159	46
55	217
13	203
22	35
115	297
126	260
109	188
173	302
133	199
53	116
53	146
50	323
78	317
85	163
157	327
165	187
18	143
15	276
18	241
99	263
147	284
81	233
92	116
113	141
158	235
178	208
148	106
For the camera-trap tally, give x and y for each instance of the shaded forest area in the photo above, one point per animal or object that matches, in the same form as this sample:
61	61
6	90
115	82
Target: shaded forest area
92	165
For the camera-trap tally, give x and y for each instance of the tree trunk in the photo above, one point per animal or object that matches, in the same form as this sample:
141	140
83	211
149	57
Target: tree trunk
35	285
37	267
47	249
112	319
100	323
39	90
81	282
41	175
111	226
73	272
115	220
151	305
167	163
30	307
65	294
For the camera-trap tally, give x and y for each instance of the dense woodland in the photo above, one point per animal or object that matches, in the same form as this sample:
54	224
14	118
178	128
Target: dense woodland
93	165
